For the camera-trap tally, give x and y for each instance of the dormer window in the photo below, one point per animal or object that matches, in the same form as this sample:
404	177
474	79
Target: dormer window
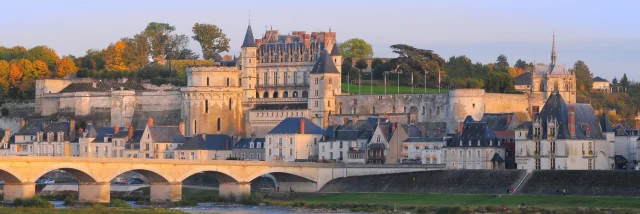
552	131
469	142
251	145
60	136
491	143
258	145
460	143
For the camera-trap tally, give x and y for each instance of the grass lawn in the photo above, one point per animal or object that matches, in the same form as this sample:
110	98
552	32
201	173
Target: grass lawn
547	201
366	89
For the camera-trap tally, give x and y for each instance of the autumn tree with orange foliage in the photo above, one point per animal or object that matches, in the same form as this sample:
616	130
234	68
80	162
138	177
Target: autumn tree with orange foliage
114	59
4	78
65	66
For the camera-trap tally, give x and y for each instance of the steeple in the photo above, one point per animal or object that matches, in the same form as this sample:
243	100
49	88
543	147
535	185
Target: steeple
248	38
553	49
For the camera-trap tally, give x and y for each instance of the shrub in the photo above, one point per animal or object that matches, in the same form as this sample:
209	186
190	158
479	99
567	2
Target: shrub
118	203
253	199
70	199
5	112
36	202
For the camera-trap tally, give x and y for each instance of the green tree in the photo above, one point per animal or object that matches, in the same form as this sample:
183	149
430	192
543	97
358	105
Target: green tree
158	37
361	64
211	38
584	83
347	64
5	54
17	52
624	81
521	64
135	55
614	81
498	82
177	43
376	62
356	48
413	60
502	61
45	54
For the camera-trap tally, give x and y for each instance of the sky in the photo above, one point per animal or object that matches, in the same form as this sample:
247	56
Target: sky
604	34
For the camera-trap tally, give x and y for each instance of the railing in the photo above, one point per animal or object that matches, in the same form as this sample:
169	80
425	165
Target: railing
287	99
282	85
208	162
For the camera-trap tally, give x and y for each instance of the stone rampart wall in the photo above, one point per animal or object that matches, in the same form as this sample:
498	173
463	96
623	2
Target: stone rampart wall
420	107
505	103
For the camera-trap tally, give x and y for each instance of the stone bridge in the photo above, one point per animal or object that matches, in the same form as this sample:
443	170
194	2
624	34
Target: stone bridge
94	175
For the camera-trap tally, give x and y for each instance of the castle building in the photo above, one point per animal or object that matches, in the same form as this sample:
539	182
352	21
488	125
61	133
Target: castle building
565	136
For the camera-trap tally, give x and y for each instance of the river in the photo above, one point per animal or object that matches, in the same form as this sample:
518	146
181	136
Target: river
204	208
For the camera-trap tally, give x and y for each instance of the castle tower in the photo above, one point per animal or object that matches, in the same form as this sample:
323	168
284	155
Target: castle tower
249	62
325	85
336	56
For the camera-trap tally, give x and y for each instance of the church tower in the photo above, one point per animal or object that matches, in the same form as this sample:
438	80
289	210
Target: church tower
325	85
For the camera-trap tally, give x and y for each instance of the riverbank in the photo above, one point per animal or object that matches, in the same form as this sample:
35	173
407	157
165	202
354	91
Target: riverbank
93	210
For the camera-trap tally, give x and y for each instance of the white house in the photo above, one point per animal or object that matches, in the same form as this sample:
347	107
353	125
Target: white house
205	147
295	138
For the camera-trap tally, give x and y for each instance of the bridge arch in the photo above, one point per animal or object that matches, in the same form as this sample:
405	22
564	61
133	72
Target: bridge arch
285	174
220	173
8	175
78	171
151	173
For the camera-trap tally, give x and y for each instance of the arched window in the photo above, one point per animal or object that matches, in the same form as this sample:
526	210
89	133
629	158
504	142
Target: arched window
275	94
295	94
218	124
265	95
541	86
393	110
207	81
257	95
353	110
230	103
195	126
555	86
424	110
206	106
373	109
305	94
285	94
404	109
438	110
228	81
340	110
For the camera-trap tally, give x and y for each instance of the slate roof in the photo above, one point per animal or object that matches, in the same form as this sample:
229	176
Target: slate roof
99	133
33	126
431	128
137	135
166	134
599	79
350	131
556	108
291	125
2	134
249	41
604	123
281	106
335	51
244	143
498	122
475	132
385	129
207	142
496	158
524	79
325	65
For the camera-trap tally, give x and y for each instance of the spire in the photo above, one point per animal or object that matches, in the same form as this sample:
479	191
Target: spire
335	51
553	49
248	38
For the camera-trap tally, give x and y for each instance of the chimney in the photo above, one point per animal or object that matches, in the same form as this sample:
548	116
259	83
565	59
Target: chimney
393	127
253	136
7	133
509	119
301	126
181	127
22	123
150	122
345	120
461	126
535	112
423	133
116	129
130	134
572	121
457	132
438	133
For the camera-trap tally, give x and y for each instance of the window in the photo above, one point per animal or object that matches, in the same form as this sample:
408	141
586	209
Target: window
316	93
378	138
537	163
195	126
322	148
258	156
290	141
230	103
242	156
207	81
218	124
316	81
329	81
478	153
228	81
290	152
206	106
250	156
315	104
330	145
269	152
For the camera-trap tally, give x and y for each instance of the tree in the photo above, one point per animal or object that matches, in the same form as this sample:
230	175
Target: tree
584	83
502	61
614	81
15	75
187	54
65	66
17	52
624	81
356	48
114	56
4	79
158	37
5	54
413	60
347	64
521	64
43	53
361	64
376	62
177	43
136	52
211	38
41	69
